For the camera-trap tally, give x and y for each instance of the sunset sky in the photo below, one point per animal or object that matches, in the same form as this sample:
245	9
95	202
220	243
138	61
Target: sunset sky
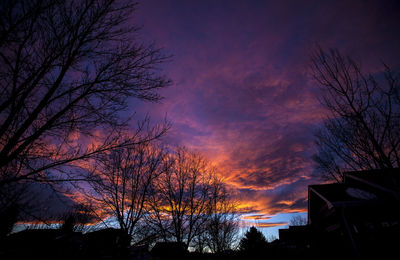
242	94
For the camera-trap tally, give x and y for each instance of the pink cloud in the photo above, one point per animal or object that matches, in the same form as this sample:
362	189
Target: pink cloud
243	95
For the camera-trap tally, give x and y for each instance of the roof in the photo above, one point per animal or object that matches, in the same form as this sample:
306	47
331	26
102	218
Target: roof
387	180
361	187
332	192
294	232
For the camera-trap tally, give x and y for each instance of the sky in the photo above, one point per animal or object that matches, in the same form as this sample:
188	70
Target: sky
242	94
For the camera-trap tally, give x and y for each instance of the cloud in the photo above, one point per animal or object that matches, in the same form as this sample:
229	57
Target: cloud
243	95
268	225
256	217
40	202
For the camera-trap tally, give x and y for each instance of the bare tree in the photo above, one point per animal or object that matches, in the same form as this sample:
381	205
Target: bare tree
362	128
122	180
298	220
180	201
67	70
222	226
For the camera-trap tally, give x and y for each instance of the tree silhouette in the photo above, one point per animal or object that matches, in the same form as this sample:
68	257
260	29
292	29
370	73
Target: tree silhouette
181	203
298	221
180	199
362	129
67	70
76	220
221	229
253	241
122	182
8	218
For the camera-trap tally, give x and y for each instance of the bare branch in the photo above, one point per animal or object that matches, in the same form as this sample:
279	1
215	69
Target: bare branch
362	130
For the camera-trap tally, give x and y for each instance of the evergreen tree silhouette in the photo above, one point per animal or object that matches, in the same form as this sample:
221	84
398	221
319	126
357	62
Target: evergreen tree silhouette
253	241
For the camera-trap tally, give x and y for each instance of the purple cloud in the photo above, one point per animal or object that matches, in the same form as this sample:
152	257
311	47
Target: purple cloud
242	93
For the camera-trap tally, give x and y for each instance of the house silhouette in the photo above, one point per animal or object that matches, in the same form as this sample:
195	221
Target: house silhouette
358	218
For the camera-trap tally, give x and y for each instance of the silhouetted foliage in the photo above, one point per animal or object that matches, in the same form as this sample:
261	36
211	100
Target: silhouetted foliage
8	217
68	225
362	128
15	205
77	219
253	241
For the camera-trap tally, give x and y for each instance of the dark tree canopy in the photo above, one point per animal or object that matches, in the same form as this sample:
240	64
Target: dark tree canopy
253	241
362	126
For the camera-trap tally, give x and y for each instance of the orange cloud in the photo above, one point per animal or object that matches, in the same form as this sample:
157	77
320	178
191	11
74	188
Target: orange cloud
268	225
256	217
